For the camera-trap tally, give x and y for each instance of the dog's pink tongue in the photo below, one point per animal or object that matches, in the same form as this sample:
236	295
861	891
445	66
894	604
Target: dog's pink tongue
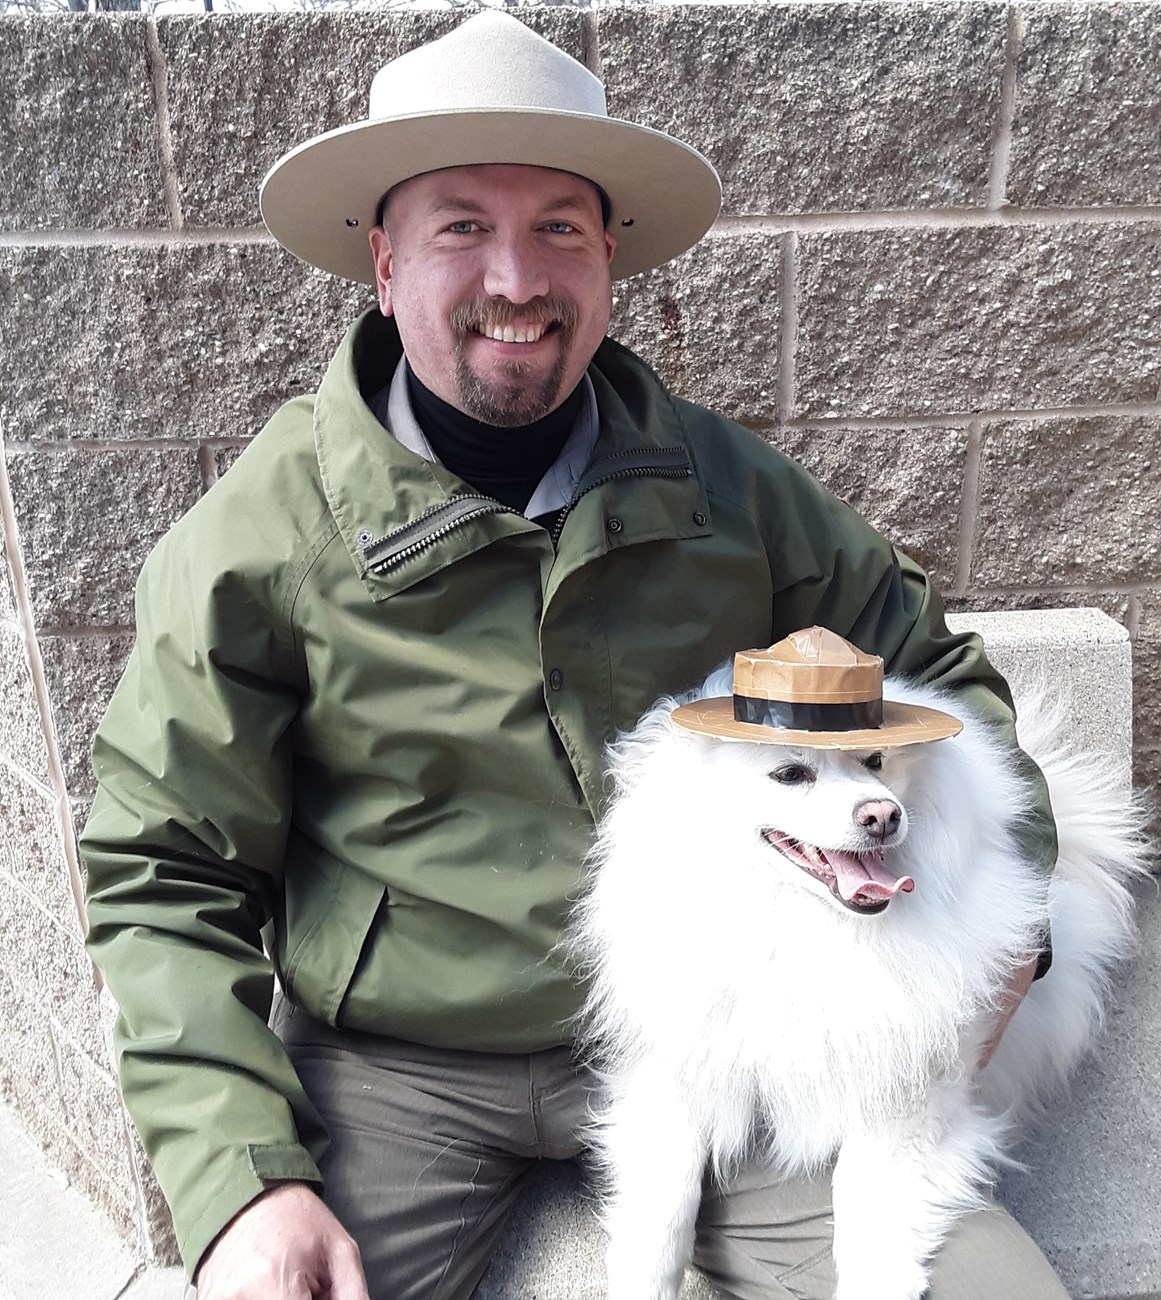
865	876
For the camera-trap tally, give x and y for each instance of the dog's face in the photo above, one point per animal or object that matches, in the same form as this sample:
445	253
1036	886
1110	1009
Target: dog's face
830	814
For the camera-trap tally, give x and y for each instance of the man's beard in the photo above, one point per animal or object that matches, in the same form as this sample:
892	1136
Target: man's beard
510	398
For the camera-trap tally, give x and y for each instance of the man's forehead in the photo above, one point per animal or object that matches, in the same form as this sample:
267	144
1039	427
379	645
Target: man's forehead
464	186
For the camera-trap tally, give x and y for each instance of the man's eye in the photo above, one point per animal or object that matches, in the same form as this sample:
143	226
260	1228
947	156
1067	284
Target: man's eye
462	227
561	227
792	774
873	762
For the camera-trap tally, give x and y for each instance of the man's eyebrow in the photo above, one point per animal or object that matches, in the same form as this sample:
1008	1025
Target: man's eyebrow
566	203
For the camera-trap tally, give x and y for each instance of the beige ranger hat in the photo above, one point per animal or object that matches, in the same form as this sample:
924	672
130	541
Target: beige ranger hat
491	91
816	690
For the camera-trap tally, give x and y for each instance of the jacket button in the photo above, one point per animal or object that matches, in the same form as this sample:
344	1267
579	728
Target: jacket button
613	524
698	518
556	679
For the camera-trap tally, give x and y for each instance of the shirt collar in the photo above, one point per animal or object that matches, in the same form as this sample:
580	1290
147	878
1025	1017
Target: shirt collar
392	407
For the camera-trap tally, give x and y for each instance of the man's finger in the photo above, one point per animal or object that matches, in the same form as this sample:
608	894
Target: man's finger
347	1279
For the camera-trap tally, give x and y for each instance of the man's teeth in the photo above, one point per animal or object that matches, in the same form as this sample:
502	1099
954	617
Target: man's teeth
512	333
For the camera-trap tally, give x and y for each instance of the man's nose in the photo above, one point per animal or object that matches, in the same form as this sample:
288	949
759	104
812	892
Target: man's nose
515	270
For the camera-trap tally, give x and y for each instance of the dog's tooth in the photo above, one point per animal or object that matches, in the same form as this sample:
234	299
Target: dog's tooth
813	854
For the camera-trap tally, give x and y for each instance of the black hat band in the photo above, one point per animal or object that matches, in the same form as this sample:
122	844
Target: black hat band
798	716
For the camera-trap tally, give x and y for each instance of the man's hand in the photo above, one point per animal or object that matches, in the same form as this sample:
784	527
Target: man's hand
1018	985
286	1245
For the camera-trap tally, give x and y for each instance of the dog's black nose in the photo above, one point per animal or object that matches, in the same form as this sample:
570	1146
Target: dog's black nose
879	817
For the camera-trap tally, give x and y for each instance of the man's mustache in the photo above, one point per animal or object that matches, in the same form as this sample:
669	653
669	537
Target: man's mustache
473	317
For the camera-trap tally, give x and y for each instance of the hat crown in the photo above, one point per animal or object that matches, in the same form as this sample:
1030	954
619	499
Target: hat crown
812	666
491	61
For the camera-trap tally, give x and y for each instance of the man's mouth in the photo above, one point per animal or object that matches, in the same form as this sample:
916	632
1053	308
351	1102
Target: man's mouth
513	332
859	881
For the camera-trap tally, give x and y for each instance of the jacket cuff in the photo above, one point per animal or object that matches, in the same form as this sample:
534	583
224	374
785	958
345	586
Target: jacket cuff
257	1169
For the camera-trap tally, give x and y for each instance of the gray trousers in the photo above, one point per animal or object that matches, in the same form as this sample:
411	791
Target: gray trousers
430	1150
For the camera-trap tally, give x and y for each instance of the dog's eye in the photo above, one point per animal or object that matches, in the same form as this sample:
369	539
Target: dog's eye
873	762
792	774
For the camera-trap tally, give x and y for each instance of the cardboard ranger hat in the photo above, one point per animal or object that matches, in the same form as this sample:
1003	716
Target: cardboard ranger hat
491	91
816	690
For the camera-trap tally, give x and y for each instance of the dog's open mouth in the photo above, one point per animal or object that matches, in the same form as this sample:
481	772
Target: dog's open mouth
859	881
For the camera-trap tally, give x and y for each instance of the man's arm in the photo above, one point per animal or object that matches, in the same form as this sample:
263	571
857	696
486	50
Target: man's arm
184	852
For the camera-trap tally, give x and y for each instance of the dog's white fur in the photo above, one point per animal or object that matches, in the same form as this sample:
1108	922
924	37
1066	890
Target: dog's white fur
738	1010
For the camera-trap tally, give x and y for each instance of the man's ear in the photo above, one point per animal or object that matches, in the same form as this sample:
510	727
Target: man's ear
381	254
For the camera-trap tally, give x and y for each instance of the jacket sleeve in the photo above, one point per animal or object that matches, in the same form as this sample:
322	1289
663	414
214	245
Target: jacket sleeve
184	850
849	578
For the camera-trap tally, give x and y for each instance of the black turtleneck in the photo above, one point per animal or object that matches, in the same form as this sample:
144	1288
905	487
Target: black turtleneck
507	464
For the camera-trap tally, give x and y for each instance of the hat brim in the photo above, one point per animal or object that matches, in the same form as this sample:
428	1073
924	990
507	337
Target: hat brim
903	724
319	200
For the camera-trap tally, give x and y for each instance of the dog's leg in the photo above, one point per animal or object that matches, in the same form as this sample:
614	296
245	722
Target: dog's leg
898	1192
654	1159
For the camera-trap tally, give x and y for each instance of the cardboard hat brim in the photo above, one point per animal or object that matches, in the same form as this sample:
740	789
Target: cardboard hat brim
319	200
903	724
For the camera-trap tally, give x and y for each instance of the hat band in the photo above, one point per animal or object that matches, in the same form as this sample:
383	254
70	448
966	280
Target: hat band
793	715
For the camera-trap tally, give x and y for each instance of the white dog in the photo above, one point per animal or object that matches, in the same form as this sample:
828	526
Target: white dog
797	952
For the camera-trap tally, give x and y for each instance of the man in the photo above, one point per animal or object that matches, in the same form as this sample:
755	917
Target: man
375	668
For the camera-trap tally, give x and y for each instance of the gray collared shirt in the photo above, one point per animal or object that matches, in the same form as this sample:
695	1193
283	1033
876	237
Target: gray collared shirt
392	408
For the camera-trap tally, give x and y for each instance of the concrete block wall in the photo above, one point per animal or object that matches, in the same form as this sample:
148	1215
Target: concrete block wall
936	279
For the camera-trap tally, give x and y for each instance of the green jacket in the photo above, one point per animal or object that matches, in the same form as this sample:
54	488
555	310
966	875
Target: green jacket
360	737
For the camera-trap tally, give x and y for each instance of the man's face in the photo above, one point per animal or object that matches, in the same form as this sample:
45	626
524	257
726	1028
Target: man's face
498	278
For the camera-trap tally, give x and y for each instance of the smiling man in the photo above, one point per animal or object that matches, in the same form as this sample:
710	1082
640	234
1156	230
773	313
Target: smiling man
357	751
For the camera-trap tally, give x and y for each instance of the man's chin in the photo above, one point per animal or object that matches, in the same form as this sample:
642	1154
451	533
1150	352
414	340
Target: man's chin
510	401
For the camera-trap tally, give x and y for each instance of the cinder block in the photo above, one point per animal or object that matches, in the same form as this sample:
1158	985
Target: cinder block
318	69
30	846
710	345
817	107
224	457
1087	127
54	971
925	322
1146	688
82	565
1082	654
96	1122
21	732
65	87
174	341
81	673
906	484
1067	502
28	1075
7	592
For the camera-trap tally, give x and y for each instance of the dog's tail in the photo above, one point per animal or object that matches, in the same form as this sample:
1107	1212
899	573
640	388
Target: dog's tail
1104	849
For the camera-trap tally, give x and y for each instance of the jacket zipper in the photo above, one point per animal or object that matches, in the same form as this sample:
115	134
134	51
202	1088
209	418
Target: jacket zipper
664	462
426	529
435	523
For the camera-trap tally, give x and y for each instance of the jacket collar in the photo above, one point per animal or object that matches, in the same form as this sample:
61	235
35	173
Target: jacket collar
376	487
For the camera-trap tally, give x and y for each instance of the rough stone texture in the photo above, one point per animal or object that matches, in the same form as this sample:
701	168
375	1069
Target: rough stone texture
51	965
7	593
1146	658
30	846
96	1123
82	567
925	322
63	86
1087	127
179	341
81	673
1117	605
21	733
818	107
28	1075
224	457
716	348
910	490
314	73
1090	518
